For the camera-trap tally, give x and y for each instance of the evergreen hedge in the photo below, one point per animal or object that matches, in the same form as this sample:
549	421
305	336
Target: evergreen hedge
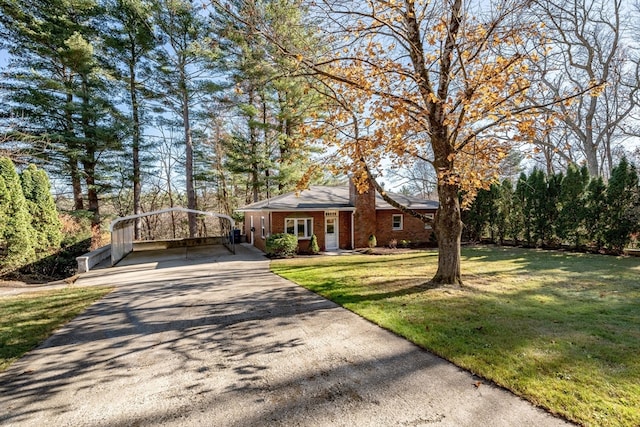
30	227
557	210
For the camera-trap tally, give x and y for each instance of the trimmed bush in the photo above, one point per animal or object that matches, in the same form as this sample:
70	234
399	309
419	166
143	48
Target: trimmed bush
373	242
281	245
313	245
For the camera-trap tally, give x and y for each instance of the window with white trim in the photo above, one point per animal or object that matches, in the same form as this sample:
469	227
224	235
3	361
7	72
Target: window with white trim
396	222
262	231
300	227
427	226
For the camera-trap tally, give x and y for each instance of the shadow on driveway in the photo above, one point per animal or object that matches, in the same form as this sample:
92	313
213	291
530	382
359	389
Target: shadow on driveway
219	340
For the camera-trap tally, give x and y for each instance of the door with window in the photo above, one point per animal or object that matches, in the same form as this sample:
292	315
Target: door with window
331	230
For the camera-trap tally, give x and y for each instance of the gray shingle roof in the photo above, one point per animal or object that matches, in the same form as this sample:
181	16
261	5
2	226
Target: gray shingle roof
325	197
410	202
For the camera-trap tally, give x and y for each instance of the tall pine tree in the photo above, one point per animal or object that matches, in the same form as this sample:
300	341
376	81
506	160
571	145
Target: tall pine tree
129	40
184	70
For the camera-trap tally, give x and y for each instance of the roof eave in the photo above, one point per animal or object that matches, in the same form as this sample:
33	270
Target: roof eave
344	209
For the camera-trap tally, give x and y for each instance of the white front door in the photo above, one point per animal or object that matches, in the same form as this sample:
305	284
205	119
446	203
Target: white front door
331	233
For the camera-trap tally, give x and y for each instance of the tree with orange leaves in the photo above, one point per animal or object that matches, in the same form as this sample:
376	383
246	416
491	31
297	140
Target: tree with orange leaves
443	81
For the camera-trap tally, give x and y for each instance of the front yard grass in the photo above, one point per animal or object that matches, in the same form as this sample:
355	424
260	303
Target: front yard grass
559	329
28	319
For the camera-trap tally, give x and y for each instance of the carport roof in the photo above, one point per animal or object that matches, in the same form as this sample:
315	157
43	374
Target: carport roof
331	197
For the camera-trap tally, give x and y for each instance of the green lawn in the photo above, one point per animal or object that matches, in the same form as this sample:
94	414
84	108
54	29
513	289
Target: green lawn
27	320
560	329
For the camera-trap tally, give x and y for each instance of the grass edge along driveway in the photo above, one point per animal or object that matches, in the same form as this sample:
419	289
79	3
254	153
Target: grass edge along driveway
30	318
559	329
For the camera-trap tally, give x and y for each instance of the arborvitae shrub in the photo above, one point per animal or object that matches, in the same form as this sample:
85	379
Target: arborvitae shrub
44	215
622	198
16	233
313	245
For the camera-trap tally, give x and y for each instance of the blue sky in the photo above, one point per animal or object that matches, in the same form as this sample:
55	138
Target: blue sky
4	58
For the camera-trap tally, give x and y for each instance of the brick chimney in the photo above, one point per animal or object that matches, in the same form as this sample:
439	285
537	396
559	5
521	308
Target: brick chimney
365	214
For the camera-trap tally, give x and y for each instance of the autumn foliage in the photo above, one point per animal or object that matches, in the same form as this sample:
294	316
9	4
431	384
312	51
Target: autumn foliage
443	82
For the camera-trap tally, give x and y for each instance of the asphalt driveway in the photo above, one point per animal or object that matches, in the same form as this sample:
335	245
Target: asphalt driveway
205	338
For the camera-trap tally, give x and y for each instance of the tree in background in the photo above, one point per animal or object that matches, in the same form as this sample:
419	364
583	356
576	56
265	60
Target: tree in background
505	212
419	179
482	216
42	82
128	40
57	84
521	218
589	42
100	127
16	234
536	189
42	208
270	103
183	74
550	207
573	210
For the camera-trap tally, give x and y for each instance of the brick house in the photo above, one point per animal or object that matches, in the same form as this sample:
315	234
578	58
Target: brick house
339	216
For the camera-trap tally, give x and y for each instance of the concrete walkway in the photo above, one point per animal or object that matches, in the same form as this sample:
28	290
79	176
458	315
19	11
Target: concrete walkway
212	339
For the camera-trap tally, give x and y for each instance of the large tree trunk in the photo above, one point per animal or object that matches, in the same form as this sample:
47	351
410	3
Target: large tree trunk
93	201
448	229
76	183
223	194
72	156
253	146
137	184
191	193
591	156
89	166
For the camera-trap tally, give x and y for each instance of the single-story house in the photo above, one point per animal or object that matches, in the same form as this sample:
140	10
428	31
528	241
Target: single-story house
339	216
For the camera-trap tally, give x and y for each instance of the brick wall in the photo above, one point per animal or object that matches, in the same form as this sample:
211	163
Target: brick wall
259	242
318	226
412	228
345	230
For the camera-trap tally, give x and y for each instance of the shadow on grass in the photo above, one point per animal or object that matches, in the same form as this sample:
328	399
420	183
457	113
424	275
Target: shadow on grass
569	320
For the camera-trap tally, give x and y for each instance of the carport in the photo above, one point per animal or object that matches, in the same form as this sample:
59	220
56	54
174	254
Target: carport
122	232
